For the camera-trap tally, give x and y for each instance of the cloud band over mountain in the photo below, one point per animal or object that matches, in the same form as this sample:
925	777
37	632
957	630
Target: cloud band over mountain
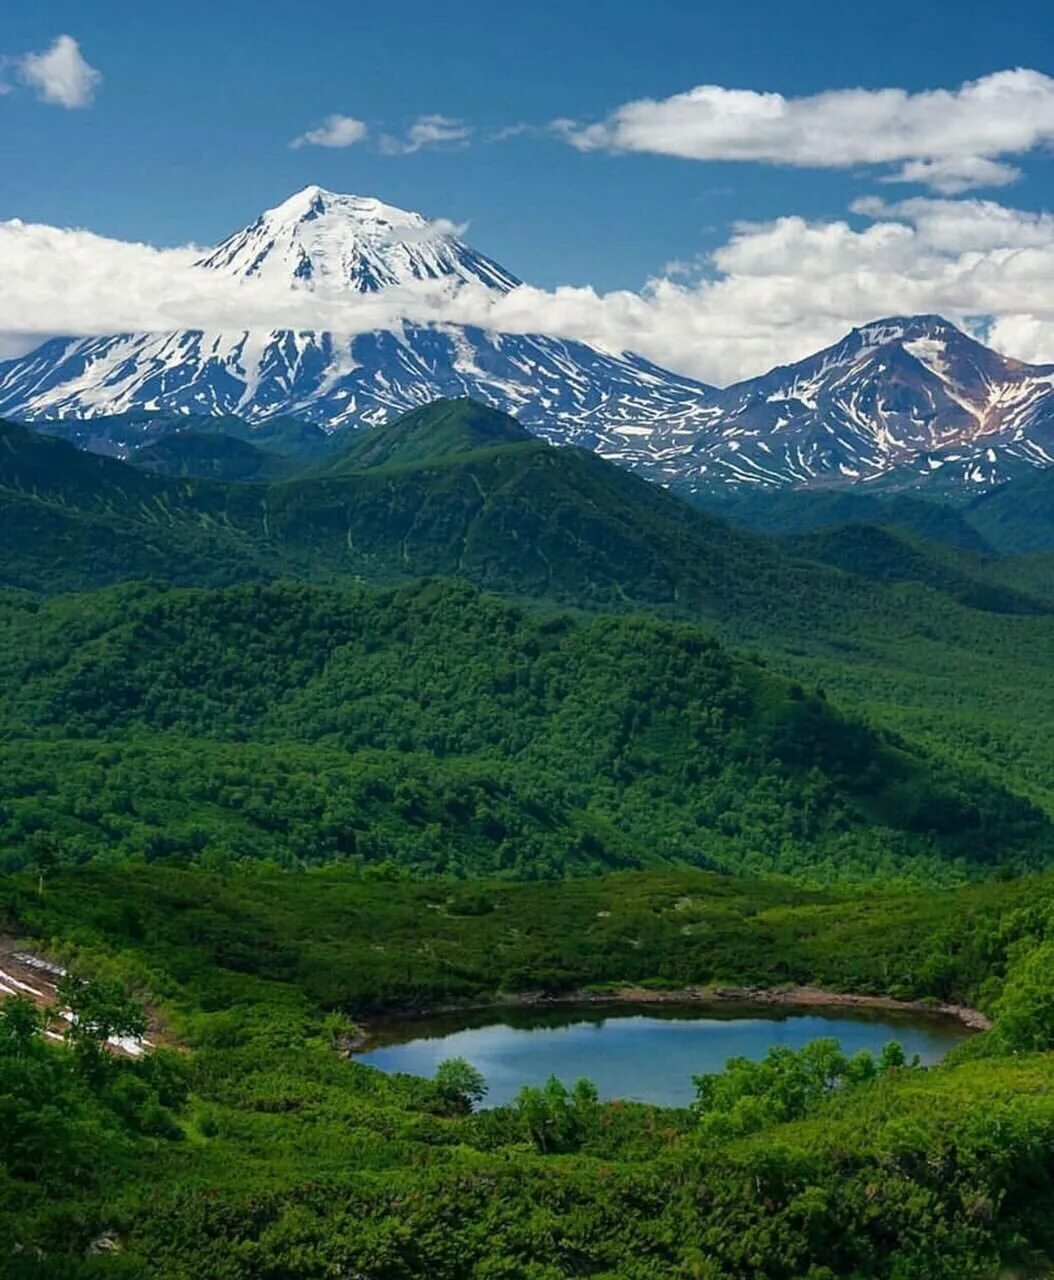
773	292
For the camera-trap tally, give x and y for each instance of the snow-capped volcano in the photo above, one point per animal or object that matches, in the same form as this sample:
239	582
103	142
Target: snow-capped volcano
320	239
358	250
904	400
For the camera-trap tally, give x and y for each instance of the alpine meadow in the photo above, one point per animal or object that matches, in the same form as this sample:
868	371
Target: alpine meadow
626	701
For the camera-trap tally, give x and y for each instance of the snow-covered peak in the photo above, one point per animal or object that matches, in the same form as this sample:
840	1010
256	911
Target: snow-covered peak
320	239
896	399
880	333
314	201
899	348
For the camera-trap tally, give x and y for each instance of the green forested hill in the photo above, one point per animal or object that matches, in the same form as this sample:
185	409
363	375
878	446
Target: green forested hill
934	643
459	490
212	455
1014	518
436	430
121	434
790	511
888	554
567	744
456	489
1019	515
74	519
521	517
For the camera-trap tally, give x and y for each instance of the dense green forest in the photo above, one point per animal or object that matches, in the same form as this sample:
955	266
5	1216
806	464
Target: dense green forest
210	455
445	730
791	511
133	434
294	736
933	645
1017	517
1012	518
934	763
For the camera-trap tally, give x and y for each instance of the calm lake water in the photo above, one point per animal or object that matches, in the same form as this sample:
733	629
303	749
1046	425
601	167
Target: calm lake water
647	1056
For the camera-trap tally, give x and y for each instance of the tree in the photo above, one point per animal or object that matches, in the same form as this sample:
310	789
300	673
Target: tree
1025	1020
100	1011
785	1085
45	857
341	1032
20	1026
893	1057
459	1086
557	1119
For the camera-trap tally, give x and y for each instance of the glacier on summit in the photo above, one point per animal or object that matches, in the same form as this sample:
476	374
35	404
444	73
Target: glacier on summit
319	238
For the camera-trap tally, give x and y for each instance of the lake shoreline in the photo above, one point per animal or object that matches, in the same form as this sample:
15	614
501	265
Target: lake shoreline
789	997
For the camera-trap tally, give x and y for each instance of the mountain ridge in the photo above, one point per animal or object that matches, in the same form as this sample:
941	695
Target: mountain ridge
905	402
456	490
439	430
563	528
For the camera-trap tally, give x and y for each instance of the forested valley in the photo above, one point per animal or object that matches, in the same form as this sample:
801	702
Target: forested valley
455	719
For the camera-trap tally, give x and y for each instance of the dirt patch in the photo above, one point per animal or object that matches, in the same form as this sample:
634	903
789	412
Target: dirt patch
23	972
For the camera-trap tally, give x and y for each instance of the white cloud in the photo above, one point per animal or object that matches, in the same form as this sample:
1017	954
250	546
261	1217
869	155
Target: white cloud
952	175
334	131
945	138
515	131
956	226
76	282
428	131
773	292
60	74
437	229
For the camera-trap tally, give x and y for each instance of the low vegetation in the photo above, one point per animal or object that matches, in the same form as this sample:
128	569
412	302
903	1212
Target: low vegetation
257	1150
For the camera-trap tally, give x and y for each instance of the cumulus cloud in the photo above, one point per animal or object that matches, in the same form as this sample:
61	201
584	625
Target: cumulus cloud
428	131
75	282
771	293
952	175
957	226
60	75
334	131
948	139
63	281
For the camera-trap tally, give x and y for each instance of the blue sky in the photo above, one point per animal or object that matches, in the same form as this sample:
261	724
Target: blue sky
188	135
817	164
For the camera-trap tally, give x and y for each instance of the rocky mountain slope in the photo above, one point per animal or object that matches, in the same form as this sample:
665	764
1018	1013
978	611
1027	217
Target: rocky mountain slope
906	402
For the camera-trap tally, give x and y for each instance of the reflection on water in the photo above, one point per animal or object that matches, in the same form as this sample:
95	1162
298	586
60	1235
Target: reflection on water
645	1056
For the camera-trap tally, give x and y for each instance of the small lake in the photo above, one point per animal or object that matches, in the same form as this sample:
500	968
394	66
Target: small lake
644	1055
